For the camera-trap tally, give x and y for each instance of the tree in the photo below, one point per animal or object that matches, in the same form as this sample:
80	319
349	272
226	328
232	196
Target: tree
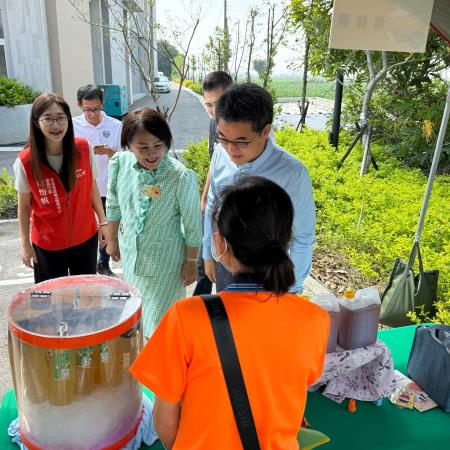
239	49
166	52
218	49
260	66
193	67
133	23
366	68
276	31
253	14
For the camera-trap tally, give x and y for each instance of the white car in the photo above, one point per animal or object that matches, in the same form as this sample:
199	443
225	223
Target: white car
161	84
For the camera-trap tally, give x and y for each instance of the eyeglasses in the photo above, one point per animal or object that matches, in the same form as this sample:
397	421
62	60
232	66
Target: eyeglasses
238	144
93	111
48	121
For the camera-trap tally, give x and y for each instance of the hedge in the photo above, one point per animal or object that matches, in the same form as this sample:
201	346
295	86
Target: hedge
392	199
8	196
14	93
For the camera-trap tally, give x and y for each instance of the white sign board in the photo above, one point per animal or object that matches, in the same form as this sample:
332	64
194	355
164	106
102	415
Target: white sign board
392	25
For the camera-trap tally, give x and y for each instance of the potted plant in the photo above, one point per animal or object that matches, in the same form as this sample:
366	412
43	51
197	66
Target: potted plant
15	106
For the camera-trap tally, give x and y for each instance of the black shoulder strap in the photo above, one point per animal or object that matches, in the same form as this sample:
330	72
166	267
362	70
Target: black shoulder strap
232	371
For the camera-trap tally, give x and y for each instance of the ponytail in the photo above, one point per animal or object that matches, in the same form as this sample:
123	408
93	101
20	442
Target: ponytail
277	275
255	217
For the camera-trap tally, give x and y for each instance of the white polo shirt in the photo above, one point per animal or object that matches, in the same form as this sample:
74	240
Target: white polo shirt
106	132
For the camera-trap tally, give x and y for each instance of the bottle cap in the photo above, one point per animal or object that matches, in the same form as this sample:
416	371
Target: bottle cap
349	294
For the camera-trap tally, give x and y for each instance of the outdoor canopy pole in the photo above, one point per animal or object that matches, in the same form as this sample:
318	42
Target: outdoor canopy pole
434	165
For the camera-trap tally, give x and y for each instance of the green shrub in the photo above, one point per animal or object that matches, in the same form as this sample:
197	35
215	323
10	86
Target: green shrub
8	196
406	124
196	157
14	93
392	199
196	87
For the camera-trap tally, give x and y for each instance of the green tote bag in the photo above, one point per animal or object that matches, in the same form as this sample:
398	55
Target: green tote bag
405	292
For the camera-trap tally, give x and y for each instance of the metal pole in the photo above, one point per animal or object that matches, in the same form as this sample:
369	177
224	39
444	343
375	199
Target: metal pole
334	135
434	165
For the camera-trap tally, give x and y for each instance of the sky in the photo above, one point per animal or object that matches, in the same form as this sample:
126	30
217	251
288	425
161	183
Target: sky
212	16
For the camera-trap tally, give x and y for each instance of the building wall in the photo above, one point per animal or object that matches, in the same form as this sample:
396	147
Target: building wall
97	41
50	49
70	49
26	44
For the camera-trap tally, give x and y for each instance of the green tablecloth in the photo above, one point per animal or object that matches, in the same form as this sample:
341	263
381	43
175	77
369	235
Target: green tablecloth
8	413
387	427
370	428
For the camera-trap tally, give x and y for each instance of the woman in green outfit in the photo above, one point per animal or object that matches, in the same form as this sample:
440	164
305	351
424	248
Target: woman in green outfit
153	209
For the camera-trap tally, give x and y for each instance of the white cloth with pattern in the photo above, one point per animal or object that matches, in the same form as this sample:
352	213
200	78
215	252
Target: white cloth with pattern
366	373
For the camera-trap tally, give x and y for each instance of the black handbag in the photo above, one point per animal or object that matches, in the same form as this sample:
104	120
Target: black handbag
405	292
232	372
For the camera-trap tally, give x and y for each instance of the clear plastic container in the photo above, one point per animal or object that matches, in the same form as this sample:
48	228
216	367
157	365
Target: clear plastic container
329	303
360	314
66	347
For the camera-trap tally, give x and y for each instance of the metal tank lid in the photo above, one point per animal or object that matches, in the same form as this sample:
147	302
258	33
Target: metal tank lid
74	311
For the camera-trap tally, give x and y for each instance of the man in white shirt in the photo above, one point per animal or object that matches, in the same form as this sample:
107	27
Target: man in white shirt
103	133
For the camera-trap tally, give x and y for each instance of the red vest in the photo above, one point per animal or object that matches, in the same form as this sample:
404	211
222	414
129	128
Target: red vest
61	219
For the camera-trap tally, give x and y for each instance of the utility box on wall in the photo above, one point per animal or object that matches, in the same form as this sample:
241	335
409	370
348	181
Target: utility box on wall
115	100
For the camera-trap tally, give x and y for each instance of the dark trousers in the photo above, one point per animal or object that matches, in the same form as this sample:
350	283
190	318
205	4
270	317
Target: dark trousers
204	286
103	257
78	260
223	277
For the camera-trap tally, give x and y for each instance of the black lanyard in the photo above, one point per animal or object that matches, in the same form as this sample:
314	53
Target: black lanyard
232	372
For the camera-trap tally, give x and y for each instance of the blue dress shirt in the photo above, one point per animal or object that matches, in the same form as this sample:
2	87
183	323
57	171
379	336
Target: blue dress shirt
279	166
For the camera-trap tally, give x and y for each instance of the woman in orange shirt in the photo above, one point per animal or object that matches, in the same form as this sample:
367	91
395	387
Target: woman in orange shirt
280	338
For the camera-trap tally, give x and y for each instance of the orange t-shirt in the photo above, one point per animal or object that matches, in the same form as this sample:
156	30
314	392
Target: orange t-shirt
281	345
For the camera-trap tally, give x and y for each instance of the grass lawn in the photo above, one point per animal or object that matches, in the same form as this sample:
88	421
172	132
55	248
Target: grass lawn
291	87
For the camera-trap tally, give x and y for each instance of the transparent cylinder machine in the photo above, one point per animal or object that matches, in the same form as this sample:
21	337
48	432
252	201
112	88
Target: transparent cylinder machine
71	342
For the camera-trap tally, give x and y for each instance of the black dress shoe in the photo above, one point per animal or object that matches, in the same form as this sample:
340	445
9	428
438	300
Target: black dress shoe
103	269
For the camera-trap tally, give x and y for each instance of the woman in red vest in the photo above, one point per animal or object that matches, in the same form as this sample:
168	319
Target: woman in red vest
55	181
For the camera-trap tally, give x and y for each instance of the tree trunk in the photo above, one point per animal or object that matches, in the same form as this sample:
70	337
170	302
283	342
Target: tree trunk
252	43
305	73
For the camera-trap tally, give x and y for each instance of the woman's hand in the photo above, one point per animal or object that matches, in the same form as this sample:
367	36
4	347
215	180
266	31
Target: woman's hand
102	235
210	269
190	272
28	255
112	248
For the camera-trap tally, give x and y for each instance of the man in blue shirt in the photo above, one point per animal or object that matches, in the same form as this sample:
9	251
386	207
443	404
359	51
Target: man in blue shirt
244	115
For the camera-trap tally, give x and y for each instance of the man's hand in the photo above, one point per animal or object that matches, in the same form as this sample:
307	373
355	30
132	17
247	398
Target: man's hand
203	202
210	269
104	150
190	272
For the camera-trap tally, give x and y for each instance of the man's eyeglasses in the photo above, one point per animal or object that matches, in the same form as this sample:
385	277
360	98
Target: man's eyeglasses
92	111
238	144
48	121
